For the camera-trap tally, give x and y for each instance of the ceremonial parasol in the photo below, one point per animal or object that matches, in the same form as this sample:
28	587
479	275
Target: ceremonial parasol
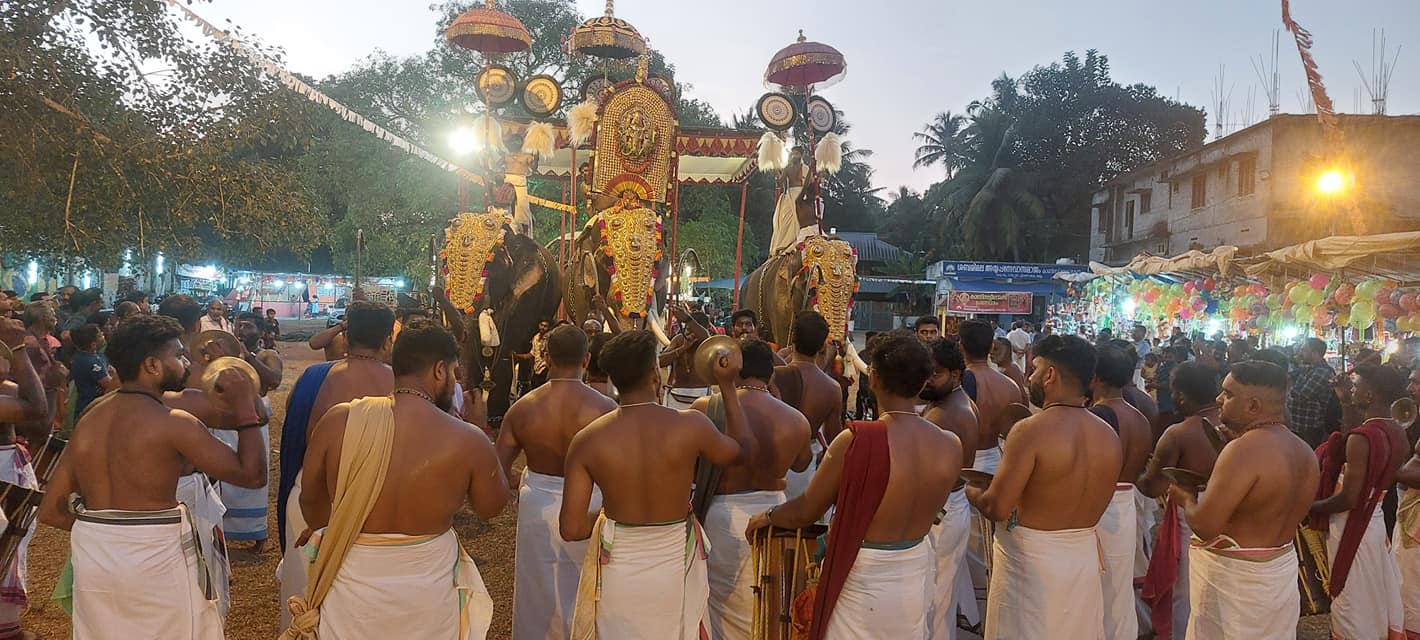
489	31
608	36
805	65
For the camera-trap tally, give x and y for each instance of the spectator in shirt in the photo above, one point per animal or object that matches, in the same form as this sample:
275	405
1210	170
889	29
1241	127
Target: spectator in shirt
1310	396
216	318
90	370
273	329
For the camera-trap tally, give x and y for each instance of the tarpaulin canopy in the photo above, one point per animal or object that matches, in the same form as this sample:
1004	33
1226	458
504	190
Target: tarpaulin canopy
1389	255
1220	259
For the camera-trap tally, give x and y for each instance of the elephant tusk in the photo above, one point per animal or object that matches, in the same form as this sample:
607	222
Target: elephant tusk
653	320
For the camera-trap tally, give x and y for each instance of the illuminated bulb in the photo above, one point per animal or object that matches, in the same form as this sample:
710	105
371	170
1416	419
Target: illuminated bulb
1331	182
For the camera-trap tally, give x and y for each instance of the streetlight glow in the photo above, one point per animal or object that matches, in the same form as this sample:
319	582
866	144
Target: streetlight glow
1332	181
463	140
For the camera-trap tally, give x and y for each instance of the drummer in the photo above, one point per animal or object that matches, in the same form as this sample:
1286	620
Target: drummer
128	455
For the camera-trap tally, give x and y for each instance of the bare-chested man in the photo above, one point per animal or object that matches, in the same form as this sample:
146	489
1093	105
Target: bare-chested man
889	480
685	385
1120	525
124	462
949	407
39	323
1365	579
1184	445
333	341
364	372
647	556
405	575
1241	561
541	425
804	385
731	495
22	398
1406	539
1056	479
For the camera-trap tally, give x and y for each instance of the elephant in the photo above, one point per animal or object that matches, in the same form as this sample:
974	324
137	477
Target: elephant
523	286
618	256
821	274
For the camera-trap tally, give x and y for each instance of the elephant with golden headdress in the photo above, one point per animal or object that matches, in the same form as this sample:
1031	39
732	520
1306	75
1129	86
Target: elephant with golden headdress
619	257
819	274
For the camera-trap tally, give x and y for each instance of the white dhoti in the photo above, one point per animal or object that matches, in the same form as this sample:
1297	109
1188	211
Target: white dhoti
400	586
1369	606
1242	593
681	398
646	581
291	572
1045	584
952	583
1146	520
731	600
886	594
795	482
140	574
1118	541
1405	546
978	546
245	518
15	469
545	567
207	510
787	233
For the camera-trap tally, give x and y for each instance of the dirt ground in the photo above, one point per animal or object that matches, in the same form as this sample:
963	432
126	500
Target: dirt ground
254	614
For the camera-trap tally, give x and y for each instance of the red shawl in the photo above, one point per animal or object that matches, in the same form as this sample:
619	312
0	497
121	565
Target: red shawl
1332	455
860	491
1162	575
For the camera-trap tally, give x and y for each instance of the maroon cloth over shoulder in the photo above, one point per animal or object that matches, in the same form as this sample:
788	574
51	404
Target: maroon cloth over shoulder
860	491
1162	575
1331	455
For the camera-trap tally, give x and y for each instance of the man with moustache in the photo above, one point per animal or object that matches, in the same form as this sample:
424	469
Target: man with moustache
1056	478
803	385
138	562
1242	566
245	519
949	408
541	424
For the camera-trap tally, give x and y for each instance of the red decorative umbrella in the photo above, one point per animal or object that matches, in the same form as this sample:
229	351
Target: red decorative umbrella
489	31
608	36
805	64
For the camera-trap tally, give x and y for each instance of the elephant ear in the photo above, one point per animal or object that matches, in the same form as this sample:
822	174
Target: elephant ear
530	276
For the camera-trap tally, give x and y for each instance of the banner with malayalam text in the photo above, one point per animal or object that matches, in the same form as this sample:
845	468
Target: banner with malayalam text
987	302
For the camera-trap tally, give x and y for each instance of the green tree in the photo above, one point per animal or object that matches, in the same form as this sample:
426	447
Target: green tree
939	143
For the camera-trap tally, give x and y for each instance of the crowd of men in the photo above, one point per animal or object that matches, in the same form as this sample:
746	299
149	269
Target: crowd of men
1084	516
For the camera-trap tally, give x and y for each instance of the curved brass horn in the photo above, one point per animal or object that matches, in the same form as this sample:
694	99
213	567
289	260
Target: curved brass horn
713	354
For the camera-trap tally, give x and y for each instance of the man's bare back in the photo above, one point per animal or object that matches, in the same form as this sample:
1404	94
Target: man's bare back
781	437
1136	438
436	463
643	459
926	462
1059	467
1185	446
542	424
957	414
1261	487
348	380
994	392
804	386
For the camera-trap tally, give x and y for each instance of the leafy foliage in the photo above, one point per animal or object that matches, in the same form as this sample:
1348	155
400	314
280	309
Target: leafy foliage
1021	164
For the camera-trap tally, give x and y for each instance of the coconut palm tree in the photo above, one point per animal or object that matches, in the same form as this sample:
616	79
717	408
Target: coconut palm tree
940	143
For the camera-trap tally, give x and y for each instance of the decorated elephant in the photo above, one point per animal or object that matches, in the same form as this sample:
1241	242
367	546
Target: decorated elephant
494	287
820	274
618	256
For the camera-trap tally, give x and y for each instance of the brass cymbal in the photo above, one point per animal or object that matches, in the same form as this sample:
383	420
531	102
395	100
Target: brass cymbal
1184	477
216	367
196	348
712	354
977	476
1214	436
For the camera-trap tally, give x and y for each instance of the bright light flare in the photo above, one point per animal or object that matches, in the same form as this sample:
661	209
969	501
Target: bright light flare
463	140
1332	181
1128	306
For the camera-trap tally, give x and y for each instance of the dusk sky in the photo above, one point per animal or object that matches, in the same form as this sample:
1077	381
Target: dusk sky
908	60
